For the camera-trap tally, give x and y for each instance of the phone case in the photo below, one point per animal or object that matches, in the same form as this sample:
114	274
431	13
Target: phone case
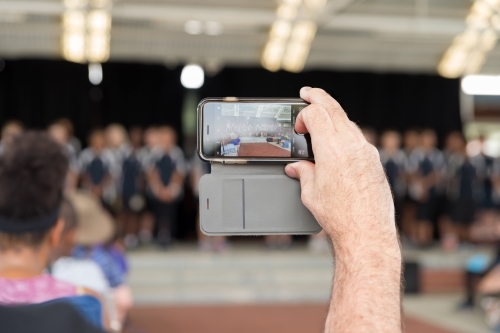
252	200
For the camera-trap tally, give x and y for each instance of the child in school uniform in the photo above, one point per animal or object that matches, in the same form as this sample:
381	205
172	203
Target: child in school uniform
165	173
98	168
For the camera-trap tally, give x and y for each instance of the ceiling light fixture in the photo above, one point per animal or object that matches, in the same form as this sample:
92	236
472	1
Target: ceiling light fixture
315	4
192	76
298	48
481	85
286	12
289	42
213	28
95	74
469	50
193	27
86	31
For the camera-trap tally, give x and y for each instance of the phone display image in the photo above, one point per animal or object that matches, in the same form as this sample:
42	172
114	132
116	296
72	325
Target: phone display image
256	130
253	130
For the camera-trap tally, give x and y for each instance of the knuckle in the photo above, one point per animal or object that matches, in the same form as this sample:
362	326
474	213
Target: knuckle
305	196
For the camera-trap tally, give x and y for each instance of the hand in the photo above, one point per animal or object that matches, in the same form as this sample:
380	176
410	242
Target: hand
153	176
348	193
346	189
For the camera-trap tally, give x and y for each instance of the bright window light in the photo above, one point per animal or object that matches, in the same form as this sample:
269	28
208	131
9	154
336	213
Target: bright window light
481	85
95	74
192	76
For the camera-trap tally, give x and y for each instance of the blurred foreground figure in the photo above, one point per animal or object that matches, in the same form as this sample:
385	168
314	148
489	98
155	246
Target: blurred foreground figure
366	294
86	223
32	171
93	241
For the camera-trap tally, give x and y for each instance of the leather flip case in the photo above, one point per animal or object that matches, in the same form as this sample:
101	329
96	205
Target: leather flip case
252	199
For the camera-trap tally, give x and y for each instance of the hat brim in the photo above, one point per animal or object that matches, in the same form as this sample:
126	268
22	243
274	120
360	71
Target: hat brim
95	225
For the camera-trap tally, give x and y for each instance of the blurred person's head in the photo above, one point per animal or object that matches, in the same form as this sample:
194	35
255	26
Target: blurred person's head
428	139
68	124
151	136
370	135
167	137
136	133
390	140
10	130
59	133
97	139
411	139
85	223
116	136
455	142
32	172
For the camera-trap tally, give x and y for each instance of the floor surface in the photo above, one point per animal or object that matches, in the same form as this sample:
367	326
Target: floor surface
245	319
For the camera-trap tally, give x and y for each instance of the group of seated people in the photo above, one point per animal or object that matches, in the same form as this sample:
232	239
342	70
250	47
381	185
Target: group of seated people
56	246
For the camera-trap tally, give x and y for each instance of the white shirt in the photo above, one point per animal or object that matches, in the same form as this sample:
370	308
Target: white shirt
229	150
81	272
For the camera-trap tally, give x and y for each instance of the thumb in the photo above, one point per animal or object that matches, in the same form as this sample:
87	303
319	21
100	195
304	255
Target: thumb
303	171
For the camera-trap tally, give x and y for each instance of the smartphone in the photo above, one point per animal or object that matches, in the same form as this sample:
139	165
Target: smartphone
241	130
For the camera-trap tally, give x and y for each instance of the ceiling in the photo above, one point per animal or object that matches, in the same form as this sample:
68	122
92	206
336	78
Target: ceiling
375	35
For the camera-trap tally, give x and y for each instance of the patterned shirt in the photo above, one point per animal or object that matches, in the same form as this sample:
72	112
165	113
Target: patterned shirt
34	290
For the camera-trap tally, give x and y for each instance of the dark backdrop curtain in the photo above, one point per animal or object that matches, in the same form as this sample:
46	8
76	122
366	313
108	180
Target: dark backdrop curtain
38	91
380	101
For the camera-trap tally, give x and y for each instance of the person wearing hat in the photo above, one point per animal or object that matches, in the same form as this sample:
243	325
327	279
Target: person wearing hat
93	240
86	223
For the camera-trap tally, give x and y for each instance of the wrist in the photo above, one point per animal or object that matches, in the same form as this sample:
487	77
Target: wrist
380	250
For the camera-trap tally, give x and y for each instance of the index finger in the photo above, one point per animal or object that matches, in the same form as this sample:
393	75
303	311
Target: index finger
314	119
336	112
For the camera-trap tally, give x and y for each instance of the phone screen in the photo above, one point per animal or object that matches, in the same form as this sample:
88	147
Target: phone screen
254	130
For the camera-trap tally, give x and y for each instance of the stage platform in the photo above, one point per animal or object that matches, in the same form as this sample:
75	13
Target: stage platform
248	272
250	275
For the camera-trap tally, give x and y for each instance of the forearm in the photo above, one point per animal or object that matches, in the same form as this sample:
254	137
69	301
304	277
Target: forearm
366	293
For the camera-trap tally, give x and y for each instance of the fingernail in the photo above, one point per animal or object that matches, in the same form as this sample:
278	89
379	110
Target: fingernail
290	171
306	88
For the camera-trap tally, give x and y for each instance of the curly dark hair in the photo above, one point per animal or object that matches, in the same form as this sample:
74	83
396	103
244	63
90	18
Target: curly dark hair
32	172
